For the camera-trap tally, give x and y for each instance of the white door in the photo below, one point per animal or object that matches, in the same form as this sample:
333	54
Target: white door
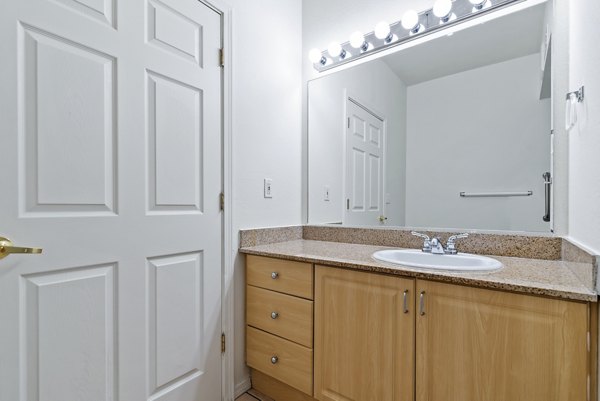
110	156
365	137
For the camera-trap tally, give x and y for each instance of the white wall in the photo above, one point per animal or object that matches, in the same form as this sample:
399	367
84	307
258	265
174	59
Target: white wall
267	38
377	87
495	139
584	139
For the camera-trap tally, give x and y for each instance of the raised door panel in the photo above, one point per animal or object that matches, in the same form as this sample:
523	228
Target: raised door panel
358	179
175	145
364	336
484	345
375	182
68	334
174	32
67	127
100	10
176	320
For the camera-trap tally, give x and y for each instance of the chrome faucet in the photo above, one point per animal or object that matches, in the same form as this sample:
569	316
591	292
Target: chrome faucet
426	241
451	244
435	246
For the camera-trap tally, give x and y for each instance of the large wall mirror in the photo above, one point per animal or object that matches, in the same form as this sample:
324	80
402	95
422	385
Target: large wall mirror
451	133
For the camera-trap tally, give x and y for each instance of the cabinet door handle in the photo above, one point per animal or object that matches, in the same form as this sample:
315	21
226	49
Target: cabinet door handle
274	315
422	303
274	359
274	275
405	301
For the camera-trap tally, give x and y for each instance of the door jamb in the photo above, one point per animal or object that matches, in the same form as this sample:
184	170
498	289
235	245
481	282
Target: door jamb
228	251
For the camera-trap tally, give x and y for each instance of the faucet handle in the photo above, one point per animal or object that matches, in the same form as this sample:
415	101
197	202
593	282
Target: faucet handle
451	244
426	240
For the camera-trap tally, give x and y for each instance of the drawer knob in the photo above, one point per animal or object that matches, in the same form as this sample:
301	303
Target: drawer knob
274	315
274	360
274	275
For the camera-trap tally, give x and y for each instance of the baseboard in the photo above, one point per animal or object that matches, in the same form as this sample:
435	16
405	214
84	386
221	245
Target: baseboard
243	386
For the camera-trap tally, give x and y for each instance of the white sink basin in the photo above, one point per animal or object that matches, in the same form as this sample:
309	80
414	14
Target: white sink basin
462	262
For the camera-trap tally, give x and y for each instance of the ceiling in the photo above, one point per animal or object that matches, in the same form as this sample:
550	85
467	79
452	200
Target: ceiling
514	35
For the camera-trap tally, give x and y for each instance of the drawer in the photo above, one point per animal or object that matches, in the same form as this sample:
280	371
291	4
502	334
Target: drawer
294	278
293	364
280	314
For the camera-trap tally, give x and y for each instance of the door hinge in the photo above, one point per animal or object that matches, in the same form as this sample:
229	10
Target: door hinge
222	343
222	201
222	57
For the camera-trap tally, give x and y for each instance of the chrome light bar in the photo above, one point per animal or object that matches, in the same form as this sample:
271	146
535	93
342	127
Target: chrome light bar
413	25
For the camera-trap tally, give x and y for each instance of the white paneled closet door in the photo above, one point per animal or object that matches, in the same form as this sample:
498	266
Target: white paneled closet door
111	158
364	175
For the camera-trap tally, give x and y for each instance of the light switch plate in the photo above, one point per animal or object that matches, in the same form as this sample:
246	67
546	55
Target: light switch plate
268	188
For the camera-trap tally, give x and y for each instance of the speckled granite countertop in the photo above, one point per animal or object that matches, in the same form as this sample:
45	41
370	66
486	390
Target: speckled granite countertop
532	276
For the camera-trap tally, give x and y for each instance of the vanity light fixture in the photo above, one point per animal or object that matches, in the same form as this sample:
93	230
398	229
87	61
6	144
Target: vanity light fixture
335	50
443	10
445	13
479	4
383	32
410	21
315	56
357	40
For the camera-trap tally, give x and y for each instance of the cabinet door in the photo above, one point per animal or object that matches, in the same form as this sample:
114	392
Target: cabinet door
364	336
484	345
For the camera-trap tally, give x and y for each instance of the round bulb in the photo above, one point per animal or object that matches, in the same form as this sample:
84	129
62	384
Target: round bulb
442	8
334	49
357	39
410	20
315	56
382	30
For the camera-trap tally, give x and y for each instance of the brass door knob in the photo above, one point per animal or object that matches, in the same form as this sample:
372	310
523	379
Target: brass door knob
7	247
382	218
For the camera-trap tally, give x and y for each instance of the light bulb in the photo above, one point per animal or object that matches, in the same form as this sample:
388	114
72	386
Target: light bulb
382	31
410	20
442	9
334	49
478	4
315	56
357	40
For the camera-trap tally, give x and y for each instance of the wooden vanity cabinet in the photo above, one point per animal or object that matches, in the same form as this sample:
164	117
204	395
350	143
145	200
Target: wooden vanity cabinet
364	336
476	344
388	338
279	318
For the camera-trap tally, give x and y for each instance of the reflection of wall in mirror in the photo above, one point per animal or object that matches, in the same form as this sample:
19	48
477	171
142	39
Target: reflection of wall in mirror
482	130
377	86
